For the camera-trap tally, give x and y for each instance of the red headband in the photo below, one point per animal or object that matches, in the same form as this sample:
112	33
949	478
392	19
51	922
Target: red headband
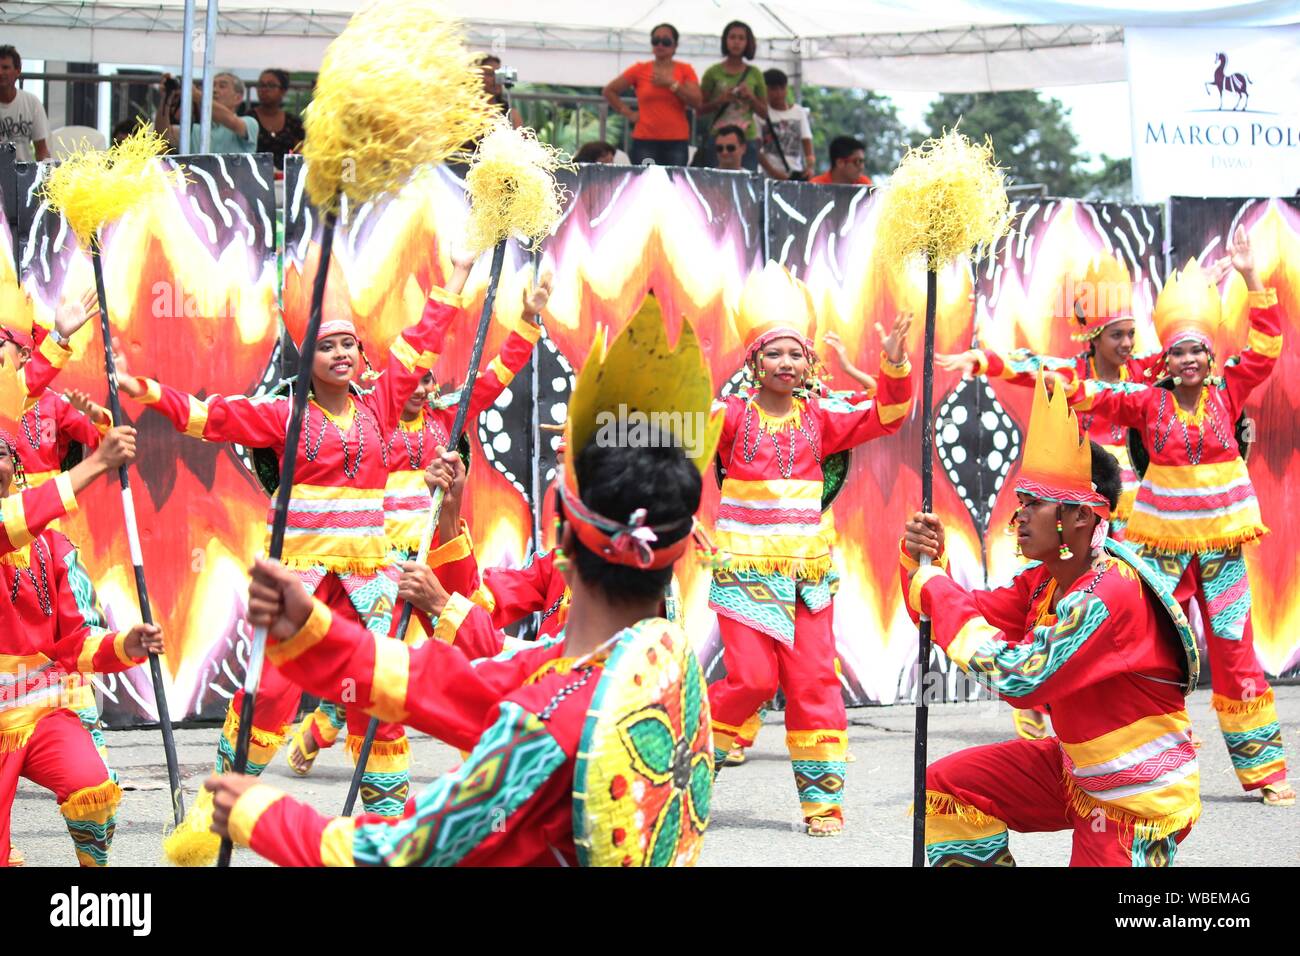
629	544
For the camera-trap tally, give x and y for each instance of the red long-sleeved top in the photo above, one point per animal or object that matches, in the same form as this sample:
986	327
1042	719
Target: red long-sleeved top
410	447
521	714
45	431
769	516
1103	657
1196	494
59	634
336	511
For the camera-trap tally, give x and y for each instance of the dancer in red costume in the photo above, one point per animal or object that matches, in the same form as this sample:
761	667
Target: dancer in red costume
543	784
1090	634
50	634
422	428
1197	509
335	542
773	598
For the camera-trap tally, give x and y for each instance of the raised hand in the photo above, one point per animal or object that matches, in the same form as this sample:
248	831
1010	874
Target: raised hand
535	299
83	403
965	362
1243	258
71	315
868	382
894	345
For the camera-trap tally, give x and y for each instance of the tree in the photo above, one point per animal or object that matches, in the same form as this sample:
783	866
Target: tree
862	114
1113	182
1031	136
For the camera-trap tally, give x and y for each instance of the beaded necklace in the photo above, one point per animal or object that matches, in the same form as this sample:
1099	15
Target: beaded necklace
33	440
42	587
786	468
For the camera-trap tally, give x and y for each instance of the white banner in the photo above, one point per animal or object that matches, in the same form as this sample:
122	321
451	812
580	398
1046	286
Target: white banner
1215	112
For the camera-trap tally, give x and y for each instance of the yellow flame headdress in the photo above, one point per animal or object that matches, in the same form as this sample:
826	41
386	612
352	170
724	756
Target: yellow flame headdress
94	187
946	197
1058	459
397	89
774	304
17	315
1105	295
668	388
1188	308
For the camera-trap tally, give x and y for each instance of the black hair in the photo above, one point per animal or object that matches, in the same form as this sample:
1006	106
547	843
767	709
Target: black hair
281	76
842	147
9	51
591	152
775	77
1106	475
751	45
125	127
670	28
731	129
616	482
486	58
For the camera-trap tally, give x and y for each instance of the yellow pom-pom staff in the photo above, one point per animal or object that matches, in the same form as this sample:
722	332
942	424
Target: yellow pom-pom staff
946	197
397	90
91	189
512	192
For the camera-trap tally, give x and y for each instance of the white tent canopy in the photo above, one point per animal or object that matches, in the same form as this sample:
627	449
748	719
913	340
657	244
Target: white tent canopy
953	46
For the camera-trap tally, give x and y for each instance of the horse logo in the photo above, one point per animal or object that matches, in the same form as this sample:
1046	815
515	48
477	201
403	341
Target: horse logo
1230	83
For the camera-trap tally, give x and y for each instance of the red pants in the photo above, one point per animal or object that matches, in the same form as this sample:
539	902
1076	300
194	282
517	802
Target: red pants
60	756
976	795
386	782
815	721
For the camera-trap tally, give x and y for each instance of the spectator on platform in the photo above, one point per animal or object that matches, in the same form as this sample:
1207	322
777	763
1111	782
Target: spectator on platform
22	117
729	147
279	131
231	133
734	91
787	150
124	128
664	89
848	156
489	63
597	151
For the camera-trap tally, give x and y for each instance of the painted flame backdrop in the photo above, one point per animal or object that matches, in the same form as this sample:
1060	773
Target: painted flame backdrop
192	294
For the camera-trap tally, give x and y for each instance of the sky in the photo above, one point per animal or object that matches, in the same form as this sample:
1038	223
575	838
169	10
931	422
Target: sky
1099	113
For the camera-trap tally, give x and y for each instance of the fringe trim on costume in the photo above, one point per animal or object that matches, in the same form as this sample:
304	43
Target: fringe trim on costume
192	842
1197	545
16	739
1226	705
1145	828
938	803
20	559
335	565
259	738
380	748
409	542
812	738
805	569
90	803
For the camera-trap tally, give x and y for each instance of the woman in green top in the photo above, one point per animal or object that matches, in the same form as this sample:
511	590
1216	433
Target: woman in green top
734	91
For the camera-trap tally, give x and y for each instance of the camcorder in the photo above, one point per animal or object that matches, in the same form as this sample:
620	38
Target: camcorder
507	76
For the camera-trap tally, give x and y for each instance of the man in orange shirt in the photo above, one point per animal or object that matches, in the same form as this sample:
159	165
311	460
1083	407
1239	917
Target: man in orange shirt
848	156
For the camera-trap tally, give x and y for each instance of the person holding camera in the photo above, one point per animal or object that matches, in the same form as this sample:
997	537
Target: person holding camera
664	88
496	88
787	150
231	133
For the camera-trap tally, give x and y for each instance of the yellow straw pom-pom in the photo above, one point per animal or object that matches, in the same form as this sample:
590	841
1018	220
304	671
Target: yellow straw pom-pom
946	197
94	187
397	89
512	187
192	842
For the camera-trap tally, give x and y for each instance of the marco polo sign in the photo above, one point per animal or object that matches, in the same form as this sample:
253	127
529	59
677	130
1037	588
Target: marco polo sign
1215	112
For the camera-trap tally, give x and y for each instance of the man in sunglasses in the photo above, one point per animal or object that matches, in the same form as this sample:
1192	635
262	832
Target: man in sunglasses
729	144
